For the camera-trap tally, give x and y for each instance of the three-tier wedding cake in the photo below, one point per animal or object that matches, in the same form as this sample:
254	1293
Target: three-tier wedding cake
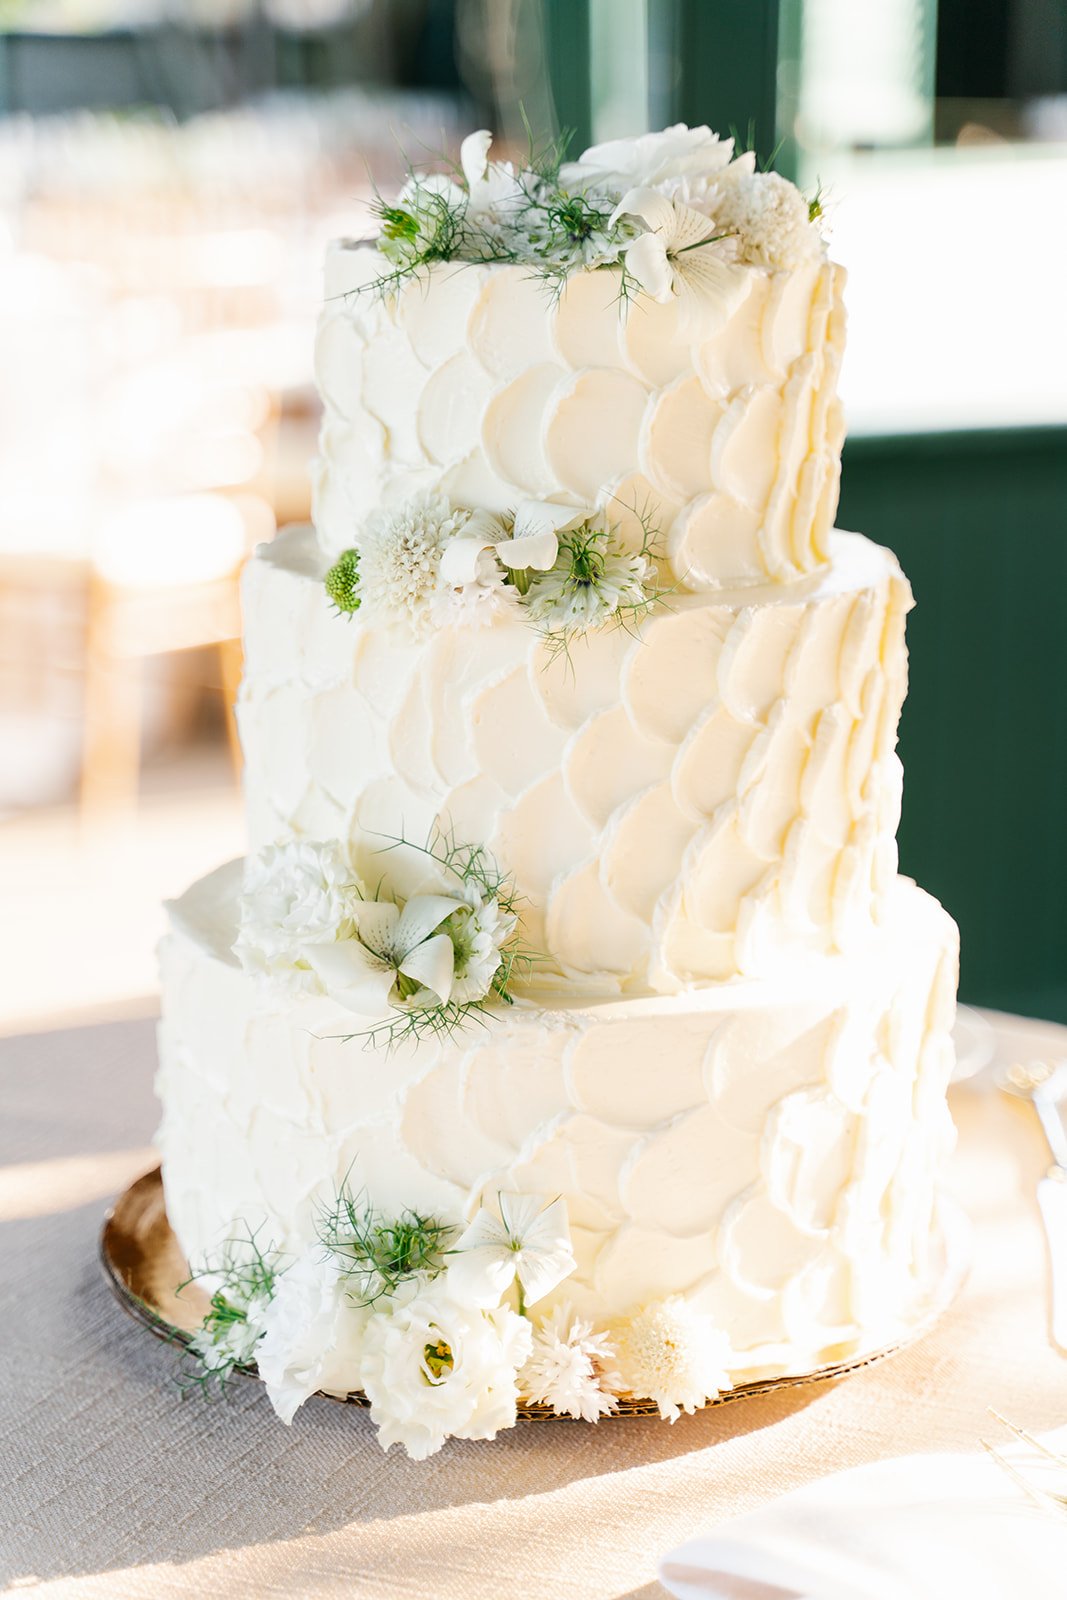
568	1033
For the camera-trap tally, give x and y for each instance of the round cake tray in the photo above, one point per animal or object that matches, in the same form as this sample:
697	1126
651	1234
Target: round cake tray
145	1269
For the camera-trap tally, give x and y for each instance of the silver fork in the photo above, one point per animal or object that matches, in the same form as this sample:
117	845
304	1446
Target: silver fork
1048	1499
1044	1084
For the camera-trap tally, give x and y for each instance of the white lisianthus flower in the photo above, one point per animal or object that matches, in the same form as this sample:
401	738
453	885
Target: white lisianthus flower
433	1369
660	160
392	949
672	1353
571	1368
294	895
528	1240
312	1335
400	551
680	255
770	218
588	582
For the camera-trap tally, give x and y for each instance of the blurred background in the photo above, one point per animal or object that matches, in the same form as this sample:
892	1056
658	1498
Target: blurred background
169	175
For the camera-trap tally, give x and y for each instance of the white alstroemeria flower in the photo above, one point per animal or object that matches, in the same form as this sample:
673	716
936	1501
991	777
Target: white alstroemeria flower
529	1240
532	546
674	258
492	185
653	159
312	1335
434	1369
390	945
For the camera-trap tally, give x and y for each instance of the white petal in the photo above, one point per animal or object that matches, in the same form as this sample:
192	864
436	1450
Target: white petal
703	283
691	229
474	155
646	260
653	209
480	1277
423	915
459	561
520	1213
353	976
376	921
537	550
534	516
485	1230
541	1271
432	964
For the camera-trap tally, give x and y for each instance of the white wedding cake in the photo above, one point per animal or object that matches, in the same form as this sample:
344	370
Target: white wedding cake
568	1034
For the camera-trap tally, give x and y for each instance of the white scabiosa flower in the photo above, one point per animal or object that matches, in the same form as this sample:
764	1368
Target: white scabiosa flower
528	1240
433	1369
400	559
312	1335
589	581
478	931
571	1368
295	895
672	1353
770	218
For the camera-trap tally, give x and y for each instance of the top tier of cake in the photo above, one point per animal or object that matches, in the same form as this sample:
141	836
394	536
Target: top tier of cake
720	426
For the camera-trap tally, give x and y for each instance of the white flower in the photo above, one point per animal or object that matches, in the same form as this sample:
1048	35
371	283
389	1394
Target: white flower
313	1335
434	1369
389	946
294	895
571	1368
661	159
673	1354
492	185
677	256
588	582
529	1240
531	545
478	931
225	1342
400	557
770	218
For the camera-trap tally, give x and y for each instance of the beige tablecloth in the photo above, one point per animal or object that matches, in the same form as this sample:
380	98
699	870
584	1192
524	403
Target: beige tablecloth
113	1486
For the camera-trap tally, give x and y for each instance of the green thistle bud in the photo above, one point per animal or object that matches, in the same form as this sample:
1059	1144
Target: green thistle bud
342	582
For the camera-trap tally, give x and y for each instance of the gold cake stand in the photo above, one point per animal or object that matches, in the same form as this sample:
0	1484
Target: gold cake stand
145	1269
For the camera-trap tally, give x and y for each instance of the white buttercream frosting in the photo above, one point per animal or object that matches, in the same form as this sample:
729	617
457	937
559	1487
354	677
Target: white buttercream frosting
480	384
702	795
769	1150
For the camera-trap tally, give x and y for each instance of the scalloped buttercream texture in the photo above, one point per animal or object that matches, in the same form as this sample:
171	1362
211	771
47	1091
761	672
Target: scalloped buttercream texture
477	382
705	795
771	1150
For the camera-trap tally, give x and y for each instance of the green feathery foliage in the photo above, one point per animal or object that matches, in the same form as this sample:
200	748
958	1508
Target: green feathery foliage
378	1253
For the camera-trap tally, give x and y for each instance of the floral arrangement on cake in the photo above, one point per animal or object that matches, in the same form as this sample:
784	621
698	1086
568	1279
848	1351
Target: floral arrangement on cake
426	964
671	212
433	1324
564	569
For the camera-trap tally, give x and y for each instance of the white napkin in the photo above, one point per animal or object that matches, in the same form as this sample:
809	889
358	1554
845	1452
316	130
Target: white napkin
937	1527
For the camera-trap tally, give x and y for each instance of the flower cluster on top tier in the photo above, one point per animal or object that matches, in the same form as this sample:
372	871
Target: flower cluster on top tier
671	211
434	1324
427	563
408	966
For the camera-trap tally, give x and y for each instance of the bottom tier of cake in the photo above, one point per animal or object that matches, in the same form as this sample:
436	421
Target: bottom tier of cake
769	1151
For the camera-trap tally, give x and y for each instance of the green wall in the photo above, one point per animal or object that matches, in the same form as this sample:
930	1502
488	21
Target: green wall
979	521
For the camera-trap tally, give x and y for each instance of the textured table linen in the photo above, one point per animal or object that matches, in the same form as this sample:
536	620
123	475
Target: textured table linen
112	1486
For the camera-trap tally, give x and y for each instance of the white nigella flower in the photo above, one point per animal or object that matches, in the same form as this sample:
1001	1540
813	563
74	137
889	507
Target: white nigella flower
571	1368
528	1240
424	220
400	553
313	1335
677	256
478	930
434	1369
672	1353
223	1342
588	581
294	895
770	217
492	185
391	948
653	159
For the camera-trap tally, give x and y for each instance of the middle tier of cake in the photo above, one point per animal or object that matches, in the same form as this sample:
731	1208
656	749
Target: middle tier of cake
710	793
